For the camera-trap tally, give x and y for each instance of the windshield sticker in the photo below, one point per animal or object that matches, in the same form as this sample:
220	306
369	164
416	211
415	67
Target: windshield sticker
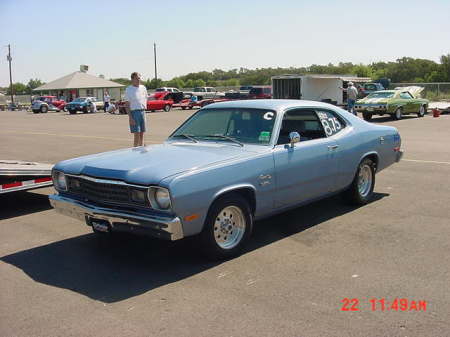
268	116
264	136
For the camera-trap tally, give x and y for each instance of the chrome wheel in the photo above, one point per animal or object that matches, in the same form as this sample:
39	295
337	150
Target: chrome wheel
422	111
398	113
364	180
229	227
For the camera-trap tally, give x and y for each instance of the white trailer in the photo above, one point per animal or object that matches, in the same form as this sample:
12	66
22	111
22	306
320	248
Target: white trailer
21	175
322	88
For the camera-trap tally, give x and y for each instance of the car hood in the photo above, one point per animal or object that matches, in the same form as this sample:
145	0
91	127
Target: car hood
150	164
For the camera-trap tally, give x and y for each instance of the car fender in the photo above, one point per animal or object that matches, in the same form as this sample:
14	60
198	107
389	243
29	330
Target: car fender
231	188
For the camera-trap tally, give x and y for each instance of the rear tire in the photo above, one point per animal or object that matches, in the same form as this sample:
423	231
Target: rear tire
422	111
360	191
367	116
44	109
227	227
398	114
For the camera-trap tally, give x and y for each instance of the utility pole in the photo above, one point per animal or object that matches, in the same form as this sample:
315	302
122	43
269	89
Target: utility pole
9	58
156	72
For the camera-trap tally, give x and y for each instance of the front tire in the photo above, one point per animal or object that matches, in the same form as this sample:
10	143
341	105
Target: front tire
227	227
398	114
367	116
167	107
421	112
360	191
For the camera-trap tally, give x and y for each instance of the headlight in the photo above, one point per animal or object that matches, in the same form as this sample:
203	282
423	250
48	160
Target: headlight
159	198
59	180
138	196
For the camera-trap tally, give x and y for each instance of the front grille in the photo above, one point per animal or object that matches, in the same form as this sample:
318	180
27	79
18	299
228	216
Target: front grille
103	192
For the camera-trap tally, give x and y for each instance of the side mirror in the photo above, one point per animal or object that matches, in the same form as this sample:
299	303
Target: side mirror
294	137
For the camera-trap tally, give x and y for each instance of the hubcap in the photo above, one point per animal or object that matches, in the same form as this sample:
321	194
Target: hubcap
229	227
364	180
422	111
398	113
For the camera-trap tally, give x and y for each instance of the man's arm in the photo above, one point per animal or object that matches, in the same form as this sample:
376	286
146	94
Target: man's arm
127	109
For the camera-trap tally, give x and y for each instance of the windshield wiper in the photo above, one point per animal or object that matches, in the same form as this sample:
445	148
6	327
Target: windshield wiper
223	137
190	137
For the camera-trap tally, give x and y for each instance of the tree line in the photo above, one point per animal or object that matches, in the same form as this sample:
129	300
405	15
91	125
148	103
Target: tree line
405	69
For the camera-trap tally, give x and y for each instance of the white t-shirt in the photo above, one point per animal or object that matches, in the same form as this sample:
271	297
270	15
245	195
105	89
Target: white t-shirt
106	98
137	96
352	92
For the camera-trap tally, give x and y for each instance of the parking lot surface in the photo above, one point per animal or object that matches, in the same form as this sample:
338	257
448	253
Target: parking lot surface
57	279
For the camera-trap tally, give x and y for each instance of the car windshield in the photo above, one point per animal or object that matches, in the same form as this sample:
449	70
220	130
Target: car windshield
79	100
253	126
385	94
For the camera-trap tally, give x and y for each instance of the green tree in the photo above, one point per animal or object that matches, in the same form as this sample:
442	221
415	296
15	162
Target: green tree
189	83
33	84
153	84
199	83
18	89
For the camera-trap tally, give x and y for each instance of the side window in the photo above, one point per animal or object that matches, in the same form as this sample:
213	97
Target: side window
330	121
303	121
405	95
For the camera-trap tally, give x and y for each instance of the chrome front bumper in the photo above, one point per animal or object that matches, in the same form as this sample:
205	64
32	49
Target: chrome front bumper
133	222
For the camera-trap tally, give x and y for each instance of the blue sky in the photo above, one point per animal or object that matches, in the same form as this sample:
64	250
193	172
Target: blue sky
50	39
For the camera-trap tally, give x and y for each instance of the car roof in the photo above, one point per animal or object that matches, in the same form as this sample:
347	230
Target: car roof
271	104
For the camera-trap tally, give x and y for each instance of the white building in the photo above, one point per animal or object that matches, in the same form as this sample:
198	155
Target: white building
80	84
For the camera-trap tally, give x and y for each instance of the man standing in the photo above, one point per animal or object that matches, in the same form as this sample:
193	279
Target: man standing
352	95
136	102
106	99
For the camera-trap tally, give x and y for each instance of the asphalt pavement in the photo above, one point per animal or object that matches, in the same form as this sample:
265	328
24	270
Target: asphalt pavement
304	272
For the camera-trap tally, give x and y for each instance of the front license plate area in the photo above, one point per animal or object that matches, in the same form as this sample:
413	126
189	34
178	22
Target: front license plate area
369	109
100	225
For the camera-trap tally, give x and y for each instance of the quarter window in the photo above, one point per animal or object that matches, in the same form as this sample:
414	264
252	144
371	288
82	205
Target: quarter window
330	121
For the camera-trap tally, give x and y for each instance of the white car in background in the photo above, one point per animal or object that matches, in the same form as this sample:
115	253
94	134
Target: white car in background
169	89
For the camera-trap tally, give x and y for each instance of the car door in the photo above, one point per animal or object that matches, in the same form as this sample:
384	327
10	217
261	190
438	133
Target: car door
408	102
305	170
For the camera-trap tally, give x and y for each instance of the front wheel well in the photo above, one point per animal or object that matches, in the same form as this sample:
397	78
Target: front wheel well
246	192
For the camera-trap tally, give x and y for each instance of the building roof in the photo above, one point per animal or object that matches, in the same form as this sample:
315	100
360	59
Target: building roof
352	78
78	80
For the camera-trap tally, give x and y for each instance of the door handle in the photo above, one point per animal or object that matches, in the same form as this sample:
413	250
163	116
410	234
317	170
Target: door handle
332	147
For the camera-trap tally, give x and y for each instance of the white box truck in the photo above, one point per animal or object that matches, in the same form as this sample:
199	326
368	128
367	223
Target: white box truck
322	88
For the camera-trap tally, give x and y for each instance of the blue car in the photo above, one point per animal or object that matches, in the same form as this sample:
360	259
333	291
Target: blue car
229	164
82	104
